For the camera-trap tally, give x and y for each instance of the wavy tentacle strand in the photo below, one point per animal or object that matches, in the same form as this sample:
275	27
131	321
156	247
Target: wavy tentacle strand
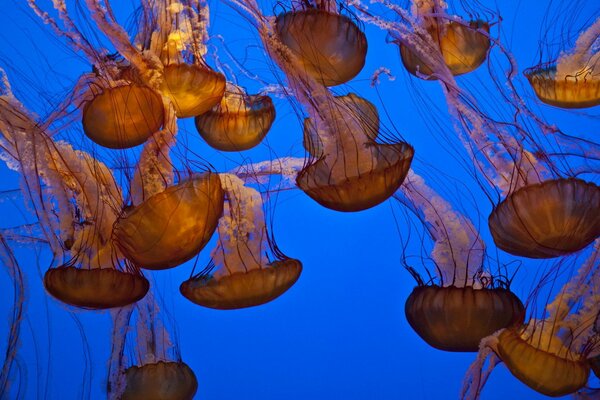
582	61
459	250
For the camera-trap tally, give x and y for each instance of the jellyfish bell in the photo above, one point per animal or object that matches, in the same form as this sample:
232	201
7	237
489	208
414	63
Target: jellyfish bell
549	219
329	46
551	370
239	122
455	318
172	226
123	116
349	171
574	80
240	274
462	45
160	381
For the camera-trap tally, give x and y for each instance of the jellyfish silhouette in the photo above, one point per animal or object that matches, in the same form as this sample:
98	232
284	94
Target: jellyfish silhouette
550	355
239	122
463	45
172	226
329	46
95	275
465	303
574	80
240	274
155	371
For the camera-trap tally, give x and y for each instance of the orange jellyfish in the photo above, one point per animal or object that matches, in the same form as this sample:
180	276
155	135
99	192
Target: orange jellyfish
156	371
172	226
240	274
463	46
329	46
240	122
574	80
85	199
467	303
176	32
119	109
349	170
550	355
548	219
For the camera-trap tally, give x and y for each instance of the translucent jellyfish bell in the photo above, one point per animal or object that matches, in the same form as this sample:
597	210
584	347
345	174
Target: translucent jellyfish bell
160	381
240	122
541	369
550	219
240	274
330	47
123	116
348	170
462	47
574	81
172	226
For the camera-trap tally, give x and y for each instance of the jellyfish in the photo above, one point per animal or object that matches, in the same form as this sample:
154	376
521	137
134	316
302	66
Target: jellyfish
329	46
463	45
240	274
172	226
95	275
550	355
573	81
156	370
176	32
348	169
120	110
239	122
465	303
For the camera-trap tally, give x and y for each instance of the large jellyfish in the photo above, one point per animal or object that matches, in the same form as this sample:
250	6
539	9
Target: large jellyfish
155	370
329	46
240	273
574	80
77	213
462	44
550	354
463	303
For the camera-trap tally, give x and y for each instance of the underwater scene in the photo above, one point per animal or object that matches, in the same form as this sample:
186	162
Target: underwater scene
299	199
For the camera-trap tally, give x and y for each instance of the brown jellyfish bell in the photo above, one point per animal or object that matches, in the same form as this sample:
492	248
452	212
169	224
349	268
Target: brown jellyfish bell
462	45
329	46
240	274
239	122
467	304
172	226
574	80
550	355
548	219
160	381
348	169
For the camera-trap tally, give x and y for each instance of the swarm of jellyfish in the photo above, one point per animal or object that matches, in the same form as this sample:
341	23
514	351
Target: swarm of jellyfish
159	148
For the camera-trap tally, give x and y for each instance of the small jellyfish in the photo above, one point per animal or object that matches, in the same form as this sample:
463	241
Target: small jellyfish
152	369
574	80
240	274
466	304
240	122
548	219
348	169
329	46
172	226
462	45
